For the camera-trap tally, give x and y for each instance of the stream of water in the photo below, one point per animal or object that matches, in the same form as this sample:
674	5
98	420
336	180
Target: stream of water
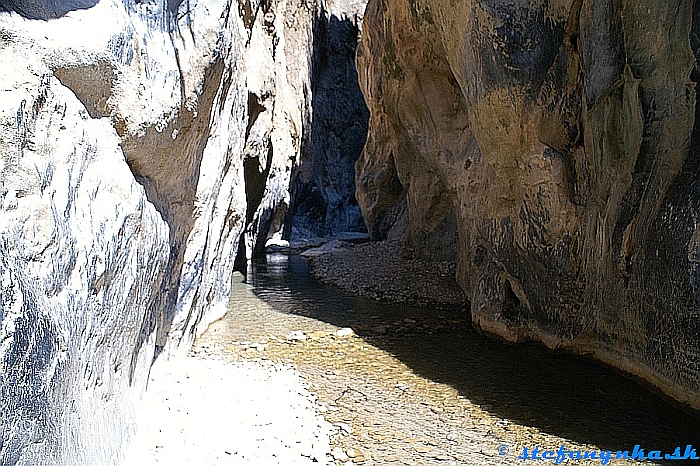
568	396
517	393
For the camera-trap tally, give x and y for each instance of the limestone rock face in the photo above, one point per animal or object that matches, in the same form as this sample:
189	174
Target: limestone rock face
300	63
81	251
323	184
143	146
554	146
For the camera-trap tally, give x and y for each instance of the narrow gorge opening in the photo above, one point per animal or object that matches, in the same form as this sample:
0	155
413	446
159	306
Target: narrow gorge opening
358	232
322	188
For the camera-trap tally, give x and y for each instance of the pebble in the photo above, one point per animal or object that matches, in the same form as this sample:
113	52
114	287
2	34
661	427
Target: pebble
402	386
380	270
338	454
381	329
296	335
345	332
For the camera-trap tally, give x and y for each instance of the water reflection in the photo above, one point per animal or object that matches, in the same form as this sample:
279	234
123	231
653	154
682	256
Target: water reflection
556	393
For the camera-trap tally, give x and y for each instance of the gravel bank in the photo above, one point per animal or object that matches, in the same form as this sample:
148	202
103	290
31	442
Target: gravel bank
379	270
207	411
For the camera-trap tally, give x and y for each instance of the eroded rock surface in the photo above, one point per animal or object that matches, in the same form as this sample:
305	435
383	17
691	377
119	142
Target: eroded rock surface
81	251
144	146
323	184
553	147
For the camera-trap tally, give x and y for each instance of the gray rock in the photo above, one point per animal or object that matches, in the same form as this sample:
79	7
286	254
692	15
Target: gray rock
143	146
323	187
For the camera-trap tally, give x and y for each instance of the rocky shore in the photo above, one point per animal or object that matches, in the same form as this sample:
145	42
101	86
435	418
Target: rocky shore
419	388
267	385
385	271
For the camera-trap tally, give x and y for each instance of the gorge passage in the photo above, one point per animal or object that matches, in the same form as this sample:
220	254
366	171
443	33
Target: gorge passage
546	149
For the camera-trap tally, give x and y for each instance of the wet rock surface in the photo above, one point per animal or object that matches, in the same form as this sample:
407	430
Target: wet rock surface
402	385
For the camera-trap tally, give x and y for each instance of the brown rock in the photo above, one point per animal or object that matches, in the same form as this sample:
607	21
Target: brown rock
551	146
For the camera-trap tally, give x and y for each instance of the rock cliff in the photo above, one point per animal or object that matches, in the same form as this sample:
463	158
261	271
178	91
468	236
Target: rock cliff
553	146
144	144
323	185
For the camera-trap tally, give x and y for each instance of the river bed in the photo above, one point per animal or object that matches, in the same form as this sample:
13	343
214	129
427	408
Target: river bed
416	385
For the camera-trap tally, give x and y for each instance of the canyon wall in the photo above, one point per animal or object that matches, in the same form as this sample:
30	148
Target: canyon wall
144	146
323	186
553	146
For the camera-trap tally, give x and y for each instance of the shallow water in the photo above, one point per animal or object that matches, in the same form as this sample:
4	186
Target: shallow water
527	385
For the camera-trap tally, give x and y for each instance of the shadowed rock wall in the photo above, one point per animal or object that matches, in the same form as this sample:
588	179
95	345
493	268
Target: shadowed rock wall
306	124
323	183
557	141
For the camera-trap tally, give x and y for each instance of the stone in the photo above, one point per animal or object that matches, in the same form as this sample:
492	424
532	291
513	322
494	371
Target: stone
550	147
338	454
296	335
344	332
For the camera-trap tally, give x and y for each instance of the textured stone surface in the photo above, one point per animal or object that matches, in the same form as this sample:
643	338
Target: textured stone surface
141	144
305	121
323	184
553	147
81	250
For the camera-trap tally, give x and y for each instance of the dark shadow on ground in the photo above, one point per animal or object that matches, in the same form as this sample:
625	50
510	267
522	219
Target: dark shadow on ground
556	393
44	9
